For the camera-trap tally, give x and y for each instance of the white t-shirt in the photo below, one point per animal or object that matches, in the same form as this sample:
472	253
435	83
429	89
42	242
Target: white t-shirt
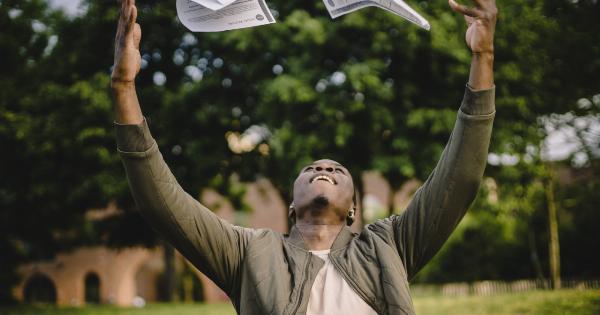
331	294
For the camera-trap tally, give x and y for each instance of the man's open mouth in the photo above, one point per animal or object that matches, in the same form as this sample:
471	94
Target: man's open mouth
323	177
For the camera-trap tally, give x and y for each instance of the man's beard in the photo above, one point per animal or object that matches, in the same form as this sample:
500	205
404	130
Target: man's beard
319	203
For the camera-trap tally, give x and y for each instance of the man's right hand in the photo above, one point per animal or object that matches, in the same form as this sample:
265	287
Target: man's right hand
127	65
128	60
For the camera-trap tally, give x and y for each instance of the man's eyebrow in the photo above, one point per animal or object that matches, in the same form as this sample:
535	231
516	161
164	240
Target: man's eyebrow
338	164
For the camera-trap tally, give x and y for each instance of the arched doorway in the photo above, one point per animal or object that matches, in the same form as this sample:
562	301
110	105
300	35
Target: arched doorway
92	288
40	289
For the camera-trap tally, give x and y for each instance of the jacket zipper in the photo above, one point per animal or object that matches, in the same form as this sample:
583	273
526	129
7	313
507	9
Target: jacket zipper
303	284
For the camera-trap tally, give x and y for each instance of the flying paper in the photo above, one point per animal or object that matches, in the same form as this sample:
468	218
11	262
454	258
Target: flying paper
340	7
222	15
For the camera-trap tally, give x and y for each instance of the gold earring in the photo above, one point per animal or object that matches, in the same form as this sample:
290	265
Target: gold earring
350	217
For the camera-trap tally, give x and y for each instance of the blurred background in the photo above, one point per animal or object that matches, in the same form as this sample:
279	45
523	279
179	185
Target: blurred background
237	114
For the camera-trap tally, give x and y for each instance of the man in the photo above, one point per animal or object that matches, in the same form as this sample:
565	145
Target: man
320	267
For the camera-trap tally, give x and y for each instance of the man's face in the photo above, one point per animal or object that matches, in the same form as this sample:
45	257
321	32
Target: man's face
324	184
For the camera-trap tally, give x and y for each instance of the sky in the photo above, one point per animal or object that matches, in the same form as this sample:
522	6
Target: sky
71	7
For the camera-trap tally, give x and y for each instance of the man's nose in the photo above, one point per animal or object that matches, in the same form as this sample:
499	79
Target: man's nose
326	168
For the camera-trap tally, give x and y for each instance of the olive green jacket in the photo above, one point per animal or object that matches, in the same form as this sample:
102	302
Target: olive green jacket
265	272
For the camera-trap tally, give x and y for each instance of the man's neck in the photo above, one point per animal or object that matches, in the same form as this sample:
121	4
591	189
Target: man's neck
319	234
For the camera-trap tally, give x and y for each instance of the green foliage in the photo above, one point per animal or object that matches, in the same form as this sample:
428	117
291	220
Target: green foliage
368	89
490	243
578	231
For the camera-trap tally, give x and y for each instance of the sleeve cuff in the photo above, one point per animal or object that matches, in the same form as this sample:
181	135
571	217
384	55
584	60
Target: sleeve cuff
133	138
478	102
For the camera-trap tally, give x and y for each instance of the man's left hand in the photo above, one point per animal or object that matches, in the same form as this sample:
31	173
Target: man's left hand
481	21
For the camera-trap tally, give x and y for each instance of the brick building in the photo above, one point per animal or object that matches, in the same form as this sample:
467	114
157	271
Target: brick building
130	277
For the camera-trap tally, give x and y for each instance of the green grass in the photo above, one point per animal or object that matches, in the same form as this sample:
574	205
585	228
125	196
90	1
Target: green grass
562	302
152	309
541	302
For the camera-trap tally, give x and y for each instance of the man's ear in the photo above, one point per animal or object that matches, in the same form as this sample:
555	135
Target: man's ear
292	213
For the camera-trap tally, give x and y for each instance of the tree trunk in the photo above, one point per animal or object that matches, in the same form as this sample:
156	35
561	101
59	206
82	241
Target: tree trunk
535	258
169	275
187	282
553	244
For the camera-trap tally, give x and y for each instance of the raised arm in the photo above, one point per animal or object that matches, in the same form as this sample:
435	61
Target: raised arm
438	206
126	66
211	244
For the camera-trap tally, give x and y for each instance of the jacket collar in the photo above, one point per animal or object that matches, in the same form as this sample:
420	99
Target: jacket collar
342	239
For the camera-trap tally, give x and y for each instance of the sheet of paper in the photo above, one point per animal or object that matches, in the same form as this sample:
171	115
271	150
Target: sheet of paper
238	14
214	4
340	7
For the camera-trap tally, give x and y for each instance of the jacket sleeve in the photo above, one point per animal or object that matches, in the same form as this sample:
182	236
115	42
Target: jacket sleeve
214	246
439	205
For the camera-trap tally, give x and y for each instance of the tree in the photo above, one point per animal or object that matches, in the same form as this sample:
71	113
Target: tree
369	90
56	124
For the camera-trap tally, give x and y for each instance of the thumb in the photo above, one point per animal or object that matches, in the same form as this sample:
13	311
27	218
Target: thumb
469	20
137	35
131	24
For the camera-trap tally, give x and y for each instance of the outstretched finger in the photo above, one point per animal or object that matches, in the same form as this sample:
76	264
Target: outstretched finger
122	22
131	22
130	3
124	12
472	12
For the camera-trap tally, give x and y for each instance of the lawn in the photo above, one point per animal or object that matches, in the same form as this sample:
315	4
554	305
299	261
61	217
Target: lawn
540	302
562	302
